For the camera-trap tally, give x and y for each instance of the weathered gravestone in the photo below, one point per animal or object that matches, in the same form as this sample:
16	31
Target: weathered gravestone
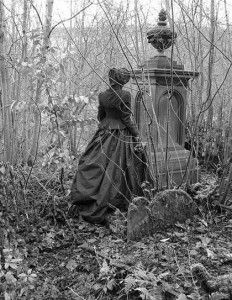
138	219
168	207
160	88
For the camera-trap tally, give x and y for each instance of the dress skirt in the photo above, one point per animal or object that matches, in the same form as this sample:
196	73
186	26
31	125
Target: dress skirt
110	174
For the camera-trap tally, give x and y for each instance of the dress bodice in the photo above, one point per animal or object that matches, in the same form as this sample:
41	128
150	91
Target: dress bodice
114	111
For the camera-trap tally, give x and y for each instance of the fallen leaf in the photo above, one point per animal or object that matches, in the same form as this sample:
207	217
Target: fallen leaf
111	284
193	252
2	170
162	275
10	279
182	297
179	225
71	265
203	222
219	296
205	240
91	241
81	227
97	287
7	296
210	253
185	238
179	234
105	268
165	240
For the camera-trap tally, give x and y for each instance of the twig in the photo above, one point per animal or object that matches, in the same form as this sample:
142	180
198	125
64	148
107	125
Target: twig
76	293
35	9
225	206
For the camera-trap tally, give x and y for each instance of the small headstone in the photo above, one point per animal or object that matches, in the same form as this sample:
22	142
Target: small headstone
138	219
166	208
169	207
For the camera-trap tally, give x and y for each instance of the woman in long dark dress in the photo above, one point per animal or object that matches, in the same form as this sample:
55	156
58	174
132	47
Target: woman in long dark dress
110	172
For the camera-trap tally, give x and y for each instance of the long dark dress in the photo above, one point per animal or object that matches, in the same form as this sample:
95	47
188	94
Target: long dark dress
109	173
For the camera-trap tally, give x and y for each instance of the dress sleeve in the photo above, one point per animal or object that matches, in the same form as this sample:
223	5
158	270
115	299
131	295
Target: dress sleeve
101	113
125	112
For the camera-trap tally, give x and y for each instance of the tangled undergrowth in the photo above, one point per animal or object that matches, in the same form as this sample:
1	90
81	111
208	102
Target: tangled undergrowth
47	255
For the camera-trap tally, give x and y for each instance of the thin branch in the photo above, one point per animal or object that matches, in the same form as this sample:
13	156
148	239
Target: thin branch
36	10
219	88
195	26
62	21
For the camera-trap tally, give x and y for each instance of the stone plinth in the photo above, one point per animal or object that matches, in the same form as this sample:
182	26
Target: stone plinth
160	88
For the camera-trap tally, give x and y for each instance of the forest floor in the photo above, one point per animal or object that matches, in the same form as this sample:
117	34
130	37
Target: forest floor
55	257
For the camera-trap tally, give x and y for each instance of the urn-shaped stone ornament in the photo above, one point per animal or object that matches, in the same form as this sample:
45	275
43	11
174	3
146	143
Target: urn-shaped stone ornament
161	36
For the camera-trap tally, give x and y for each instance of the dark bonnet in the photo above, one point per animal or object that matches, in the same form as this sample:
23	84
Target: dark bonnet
119	76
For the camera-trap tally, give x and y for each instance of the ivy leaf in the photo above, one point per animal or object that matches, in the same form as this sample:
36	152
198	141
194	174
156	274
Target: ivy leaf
144	293
141	274
111	284
10	279
105	268
129	284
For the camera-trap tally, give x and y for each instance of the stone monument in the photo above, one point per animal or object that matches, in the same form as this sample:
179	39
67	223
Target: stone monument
160	89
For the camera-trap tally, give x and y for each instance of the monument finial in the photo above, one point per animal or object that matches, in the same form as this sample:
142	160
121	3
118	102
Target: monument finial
161	36
162	17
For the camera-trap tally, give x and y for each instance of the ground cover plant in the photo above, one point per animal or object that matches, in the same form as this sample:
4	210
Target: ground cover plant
45	254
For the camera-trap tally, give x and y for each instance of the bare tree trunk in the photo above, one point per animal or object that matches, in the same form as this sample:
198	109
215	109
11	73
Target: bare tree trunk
228	139
200	82
40	82
201	62
5	97
136	30
14	87
210	65
72	129
24	92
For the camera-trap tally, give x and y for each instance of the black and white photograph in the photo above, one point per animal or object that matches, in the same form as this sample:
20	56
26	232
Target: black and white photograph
116	149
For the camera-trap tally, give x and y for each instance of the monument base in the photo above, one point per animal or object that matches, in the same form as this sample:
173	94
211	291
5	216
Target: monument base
179	166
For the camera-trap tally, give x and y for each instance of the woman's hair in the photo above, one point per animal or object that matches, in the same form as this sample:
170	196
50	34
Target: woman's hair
119	76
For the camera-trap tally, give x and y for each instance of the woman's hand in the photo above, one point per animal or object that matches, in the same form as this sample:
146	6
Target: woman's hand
139	146
137	139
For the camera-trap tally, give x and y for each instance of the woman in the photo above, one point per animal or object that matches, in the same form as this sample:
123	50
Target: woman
110	172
